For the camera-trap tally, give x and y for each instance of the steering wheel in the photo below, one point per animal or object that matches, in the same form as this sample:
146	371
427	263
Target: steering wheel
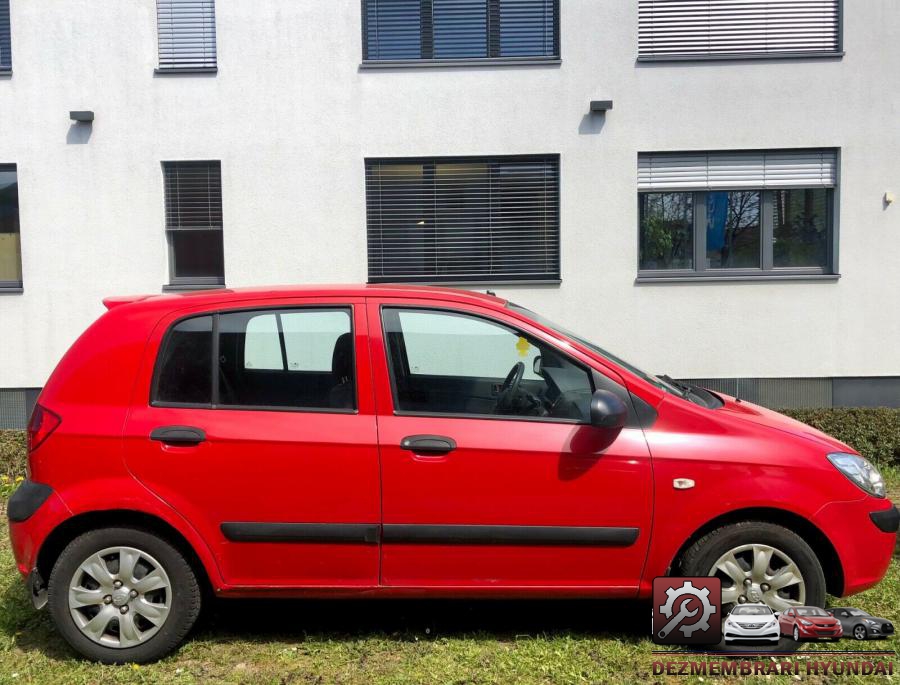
510	386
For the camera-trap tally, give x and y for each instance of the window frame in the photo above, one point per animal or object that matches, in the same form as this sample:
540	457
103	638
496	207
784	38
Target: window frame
213	404
838	53
182	283
767	271
6	11
492	40
592	373
554	278
15	287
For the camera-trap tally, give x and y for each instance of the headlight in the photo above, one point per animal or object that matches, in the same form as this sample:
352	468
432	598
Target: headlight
860	471
805	622
871	622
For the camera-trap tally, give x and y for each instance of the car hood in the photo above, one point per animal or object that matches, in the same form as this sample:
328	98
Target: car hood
747	411
822	621
752	620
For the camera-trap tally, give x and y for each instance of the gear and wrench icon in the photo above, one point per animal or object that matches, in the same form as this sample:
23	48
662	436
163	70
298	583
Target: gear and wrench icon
668	610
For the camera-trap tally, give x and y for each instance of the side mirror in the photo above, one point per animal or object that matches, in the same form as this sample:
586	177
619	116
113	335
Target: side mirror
536	365
608	411
777	614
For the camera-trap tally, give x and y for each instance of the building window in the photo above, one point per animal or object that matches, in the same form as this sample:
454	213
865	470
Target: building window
463	219
194	223
10	246
723	29
412	31
725	214
5	41
187	35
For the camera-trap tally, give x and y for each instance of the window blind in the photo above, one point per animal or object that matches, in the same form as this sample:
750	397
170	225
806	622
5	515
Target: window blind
193	193
5	40
686	28
187	34
735	170
463	219
459	29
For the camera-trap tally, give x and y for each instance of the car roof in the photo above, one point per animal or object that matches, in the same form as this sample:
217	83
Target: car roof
225	295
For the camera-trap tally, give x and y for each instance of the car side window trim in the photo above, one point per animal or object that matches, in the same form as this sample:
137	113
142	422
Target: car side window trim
596	378
214	404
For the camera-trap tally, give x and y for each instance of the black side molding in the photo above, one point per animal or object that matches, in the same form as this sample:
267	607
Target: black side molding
26	500
887	520
347	533
583	536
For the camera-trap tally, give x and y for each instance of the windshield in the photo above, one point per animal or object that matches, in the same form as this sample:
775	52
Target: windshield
810	611
650	378
747	610
857	612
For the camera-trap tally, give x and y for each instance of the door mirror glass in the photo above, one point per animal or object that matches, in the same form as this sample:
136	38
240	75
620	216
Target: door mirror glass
536	365
608	411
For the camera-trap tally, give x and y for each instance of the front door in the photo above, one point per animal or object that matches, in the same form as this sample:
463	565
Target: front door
491	476
257	425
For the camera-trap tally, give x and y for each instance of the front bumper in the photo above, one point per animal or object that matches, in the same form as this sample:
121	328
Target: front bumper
819	632
862	545
769	633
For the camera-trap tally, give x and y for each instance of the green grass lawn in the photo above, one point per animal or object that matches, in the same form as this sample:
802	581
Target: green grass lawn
350	641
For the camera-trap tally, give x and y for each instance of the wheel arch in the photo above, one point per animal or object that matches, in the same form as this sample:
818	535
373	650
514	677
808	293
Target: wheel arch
814	537
72	527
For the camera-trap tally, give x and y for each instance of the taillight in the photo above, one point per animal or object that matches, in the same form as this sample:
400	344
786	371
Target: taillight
43	422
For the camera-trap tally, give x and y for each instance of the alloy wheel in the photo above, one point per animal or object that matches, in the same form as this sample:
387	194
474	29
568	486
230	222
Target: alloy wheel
759	573
120	597
796	634
859	632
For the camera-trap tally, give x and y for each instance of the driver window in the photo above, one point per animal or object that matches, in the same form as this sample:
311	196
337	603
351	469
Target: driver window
451	363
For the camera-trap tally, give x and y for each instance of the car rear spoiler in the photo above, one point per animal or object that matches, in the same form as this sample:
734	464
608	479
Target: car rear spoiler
110	302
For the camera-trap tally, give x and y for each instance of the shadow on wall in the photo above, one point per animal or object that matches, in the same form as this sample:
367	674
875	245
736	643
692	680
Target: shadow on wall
591	123
79	133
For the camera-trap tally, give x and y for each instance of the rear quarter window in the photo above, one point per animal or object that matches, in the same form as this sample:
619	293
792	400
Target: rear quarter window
184	365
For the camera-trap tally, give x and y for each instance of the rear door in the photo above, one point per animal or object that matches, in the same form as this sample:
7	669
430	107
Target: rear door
486	491
257	424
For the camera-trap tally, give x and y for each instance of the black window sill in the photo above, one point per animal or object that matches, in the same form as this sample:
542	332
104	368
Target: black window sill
184	71
11	290
741	278
186	287
728	57
464	62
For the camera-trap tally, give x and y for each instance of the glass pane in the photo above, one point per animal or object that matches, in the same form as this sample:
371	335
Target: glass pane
319	347
310	338
10	247
459	364
393	29
462	219
184	369
526	28
197	254
667	231
460	28
732	229
801	227
398	231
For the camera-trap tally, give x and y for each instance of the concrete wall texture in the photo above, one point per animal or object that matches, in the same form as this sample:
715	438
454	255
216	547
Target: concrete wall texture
291	116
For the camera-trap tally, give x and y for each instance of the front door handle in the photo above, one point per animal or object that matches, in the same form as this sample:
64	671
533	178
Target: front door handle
428	444
178	435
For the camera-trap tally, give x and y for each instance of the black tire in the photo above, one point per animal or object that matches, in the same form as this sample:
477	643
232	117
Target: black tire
699	558
185	601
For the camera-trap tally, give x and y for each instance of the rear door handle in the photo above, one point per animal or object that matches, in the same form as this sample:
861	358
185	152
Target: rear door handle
428	444
178	435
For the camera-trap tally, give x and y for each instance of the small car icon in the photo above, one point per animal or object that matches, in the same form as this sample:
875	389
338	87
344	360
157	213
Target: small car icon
809	623
751	622
861	625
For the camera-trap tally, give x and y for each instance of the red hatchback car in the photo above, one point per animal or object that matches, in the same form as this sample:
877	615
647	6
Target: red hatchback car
406	441
809	623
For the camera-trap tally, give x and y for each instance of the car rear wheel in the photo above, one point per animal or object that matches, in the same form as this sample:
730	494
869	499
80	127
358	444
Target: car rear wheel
758	561
121	595
860	632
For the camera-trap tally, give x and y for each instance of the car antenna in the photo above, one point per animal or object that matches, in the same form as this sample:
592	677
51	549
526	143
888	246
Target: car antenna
491	292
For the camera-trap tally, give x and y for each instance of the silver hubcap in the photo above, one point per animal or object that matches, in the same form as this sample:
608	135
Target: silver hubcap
120	597
859	632
759	573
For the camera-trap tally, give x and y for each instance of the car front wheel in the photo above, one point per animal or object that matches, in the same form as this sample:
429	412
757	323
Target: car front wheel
796	634
123	595
758	562
860	633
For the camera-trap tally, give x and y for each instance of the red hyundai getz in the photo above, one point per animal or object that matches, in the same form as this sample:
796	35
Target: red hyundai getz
363	440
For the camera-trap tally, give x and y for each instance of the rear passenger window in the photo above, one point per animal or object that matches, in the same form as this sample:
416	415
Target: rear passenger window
286	358
184	369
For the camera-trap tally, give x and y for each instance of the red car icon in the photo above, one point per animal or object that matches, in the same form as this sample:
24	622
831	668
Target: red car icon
810	623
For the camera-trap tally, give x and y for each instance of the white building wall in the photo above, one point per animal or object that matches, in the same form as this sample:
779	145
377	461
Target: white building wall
291	116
